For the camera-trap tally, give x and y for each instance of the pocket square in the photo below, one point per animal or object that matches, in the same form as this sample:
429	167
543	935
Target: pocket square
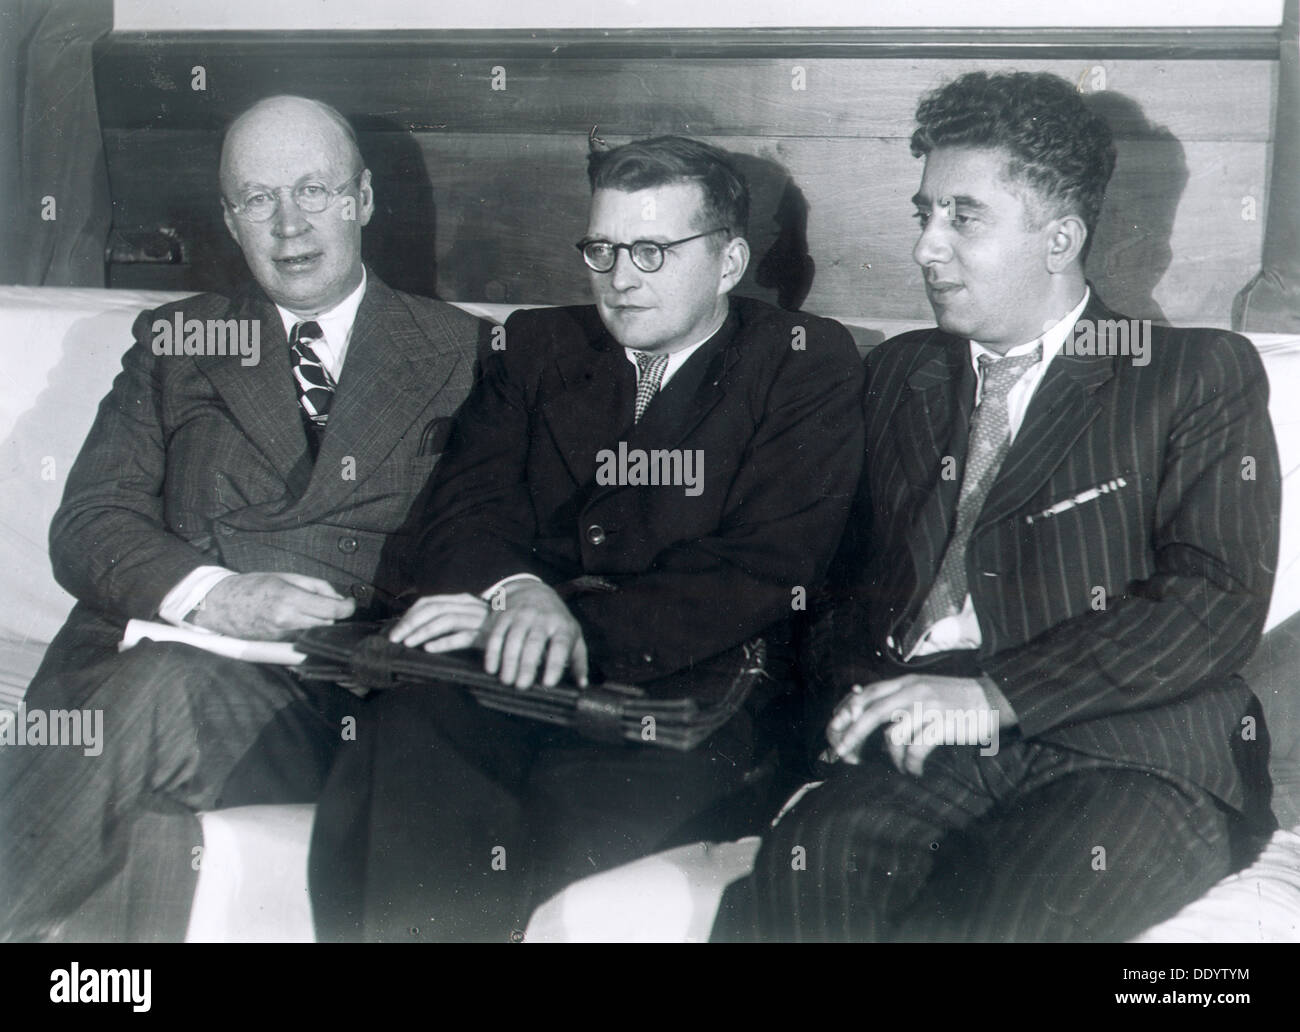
1081	498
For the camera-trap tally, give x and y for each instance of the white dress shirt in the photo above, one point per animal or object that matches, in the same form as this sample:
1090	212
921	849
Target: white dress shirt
336	328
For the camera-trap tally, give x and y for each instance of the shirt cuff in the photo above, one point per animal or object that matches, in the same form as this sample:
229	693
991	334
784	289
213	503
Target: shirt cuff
486	596
178	603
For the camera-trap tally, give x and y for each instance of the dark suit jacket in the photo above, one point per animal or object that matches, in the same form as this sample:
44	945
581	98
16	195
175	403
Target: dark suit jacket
1185	551
773	404
202	460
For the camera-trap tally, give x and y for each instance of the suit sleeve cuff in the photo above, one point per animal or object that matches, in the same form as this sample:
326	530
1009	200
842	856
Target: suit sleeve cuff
193	589
514	578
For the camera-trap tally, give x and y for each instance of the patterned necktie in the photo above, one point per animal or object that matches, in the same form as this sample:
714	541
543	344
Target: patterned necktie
315	384
650	374
990	439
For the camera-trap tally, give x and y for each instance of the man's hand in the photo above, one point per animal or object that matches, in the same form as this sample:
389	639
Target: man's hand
868	707
270	606
443	623
533	622
529	623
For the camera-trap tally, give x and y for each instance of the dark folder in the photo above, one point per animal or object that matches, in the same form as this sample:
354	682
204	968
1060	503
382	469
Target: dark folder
676	712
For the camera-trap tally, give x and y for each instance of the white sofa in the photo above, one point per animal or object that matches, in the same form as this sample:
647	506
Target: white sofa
63	349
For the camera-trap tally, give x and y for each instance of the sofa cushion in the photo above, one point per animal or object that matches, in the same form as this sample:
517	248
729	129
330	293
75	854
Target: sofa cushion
71	343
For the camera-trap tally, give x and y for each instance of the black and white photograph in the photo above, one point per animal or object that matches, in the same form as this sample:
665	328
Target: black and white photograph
650	473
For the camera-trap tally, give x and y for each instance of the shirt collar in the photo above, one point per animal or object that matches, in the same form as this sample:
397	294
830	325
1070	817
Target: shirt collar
335	324
1053	339
678	358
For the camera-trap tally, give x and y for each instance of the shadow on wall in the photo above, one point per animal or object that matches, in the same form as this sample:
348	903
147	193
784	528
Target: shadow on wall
780	268
400	243
1132	252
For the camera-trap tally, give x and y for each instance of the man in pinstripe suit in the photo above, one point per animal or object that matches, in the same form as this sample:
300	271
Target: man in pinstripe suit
252	499
1058	539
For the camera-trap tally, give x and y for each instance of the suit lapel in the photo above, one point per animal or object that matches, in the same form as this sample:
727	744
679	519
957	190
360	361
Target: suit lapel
940	393
931	427
595	408
692	392
595	411
386	384
1061	409
261	398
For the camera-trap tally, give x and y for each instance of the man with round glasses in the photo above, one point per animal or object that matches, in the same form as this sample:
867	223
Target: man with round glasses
551	557
252	499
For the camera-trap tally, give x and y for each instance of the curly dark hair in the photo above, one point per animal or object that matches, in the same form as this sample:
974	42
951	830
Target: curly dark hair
642	164
1054	142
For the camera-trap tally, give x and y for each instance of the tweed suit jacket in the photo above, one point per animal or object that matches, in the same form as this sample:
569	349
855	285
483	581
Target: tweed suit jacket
771	404
1114	625
196	460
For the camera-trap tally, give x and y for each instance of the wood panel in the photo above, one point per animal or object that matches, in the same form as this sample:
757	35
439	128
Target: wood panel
482	217
481	192
151	87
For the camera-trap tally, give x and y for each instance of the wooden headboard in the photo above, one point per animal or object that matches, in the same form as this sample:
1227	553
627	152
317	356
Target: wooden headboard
477	143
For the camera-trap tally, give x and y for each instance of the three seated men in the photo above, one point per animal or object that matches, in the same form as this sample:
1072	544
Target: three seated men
1057	543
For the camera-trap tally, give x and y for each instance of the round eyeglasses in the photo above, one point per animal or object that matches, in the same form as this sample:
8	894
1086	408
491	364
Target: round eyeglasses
646	255
259	203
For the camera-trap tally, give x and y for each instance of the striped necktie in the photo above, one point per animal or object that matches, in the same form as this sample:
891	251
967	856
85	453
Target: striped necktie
990	439
315	384
650	374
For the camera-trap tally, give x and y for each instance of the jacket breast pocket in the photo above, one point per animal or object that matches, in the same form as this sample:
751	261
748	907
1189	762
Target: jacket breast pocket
434	437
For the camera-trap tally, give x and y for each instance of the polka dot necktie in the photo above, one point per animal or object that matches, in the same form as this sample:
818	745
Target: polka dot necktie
990	439
315	384
650	374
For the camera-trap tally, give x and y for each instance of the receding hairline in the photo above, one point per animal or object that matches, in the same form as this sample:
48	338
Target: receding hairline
332	114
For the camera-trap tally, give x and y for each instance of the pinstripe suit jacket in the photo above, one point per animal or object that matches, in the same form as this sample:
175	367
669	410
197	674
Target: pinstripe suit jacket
196	460
1114	627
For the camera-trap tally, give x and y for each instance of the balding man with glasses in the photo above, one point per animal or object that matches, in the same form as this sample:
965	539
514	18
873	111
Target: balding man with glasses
248	493
634	489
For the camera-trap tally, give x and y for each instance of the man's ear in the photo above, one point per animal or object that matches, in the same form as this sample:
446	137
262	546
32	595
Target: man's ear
367	195
735	260
1065	239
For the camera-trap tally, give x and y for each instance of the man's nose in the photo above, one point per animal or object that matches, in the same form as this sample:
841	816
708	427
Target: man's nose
624	275
932	246
288	220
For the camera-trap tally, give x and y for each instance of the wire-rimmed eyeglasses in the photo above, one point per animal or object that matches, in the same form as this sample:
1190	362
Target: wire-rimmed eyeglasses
646	255
259	203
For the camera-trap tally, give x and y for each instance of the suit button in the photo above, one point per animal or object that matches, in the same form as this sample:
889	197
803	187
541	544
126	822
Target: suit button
363	593
347	544
596	534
